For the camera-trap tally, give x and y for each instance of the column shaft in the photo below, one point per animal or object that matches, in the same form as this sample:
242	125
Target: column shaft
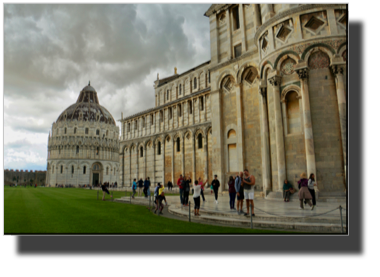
265	162
240	135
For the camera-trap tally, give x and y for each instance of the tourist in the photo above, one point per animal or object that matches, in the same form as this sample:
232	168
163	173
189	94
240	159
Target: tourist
215	186
134	187
197	197
170	185
232	192
105	190
155	194
186	190
200	182
304	191
161	197
248	182
146	185
310	185
148	189
180	185
141	185
287	190
240	192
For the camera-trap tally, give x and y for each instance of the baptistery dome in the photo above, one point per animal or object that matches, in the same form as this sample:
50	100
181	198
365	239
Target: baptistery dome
87	108
83	144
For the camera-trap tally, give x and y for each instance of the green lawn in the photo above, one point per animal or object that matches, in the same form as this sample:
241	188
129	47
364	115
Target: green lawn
60	210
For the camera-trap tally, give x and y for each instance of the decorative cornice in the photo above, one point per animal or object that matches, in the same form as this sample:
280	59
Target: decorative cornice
245	55
187	97
286	13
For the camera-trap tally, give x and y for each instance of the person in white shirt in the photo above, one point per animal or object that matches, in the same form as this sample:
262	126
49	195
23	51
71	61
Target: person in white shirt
197	197
310	185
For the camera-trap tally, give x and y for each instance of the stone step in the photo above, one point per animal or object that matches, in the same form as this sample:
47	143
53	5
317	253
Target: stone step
233	215
294	226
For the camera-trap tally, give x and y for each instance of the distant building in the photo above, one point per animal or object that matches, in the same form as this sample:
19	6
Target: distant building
83	144
24	177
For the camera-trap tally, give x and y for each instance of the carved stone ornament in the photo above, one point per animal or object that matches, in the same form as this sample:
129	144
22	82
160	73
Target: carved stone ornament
275	80
303	73
337	69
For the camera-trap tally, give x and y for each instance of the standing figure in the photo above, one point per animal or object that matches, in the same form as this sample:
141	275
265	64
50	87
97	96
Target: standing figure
232	192
215	186
304	191
249	193
311	184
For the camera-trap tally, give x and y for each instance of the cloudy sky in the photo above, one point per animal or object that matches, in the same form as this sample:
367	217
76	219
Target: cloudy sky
52	51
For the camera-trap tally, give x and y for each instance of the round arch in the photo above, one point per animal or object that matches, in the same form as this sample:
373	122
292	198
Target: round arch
288	89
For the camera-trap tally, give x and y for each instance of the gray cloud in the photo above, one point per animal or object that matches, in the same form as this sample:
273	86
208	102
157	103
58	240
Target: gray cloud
51	51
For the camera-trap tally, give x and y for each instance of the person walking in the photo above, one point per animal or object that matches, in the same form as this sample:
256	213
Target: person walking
197	197
146	186
304	191
249	193
134	188
215	185
141	185
181	191
105	190
240	192
161	197
232	192
200	182
170	185
286	190
310	185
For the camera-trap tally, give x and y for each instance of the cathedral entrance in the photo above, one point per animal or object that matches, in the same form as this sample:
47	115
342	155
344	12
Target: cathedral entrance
95	179
96	174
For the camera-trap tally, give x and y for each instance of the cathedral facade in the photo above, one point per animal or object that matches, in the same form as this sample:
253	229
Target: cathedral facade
83	144
272	99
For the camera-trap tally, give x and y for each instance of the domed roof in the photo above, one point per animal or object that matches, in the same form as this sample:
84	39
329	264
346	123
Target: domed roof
87	108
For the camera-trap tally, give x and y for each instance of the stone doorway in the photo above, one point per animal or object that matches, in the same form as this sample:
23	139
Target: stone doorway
95	179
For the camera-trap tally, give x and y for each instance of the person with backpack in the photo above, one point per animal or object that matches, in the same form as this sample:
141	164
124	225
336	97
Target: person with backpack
160	196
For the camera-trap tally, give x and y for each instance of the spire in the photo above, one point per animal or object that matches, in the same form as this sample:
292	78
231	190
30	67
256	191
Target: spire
88	82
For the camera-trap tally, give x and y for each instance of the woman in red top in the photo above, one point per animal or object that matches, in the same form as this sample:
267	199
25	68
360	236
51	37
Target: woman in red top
232	191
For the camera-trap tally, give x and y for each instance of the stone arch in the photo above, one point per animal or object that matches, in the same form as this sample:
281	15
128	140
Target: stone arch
225	73
281	58
290	88
318	59
148	143
156	140
177	135
228	129
342	48
199	131
243	68
315	47
187	133
244	74
167	138
266	65
209	130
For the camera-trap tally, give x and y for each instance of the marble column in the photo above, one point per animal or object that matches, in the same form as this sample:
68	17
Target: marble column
240	135
137	162
163	159
341	97
307	125
242	26
122	169
205	106
229	44
183	154
145	167
265	152
173	145
275	79
206	153
194	168
130	166
199	110
154	164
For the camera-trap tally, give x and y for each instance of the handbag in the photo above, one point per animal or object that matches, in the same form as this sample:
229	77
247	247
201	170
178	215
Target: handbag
291	190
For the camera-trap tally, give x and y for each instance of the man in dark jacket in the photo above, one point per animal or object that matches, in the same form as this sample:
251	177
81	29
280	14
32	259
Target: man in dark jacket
141	185
215	185
186	188
180	185
146	186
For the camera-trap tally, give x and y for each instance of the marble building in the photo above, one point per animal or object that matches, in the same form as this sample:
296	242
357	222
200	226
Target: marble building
271	99
83	144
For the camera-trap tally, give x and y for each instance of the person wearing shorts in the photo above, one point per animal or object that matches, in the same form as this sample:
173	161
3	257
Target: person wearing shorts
240	192
197	197
248	182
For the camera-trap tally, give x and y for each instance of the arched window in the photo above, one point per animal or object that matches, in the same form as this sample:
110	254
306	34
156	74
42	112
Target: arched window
180	89
151	119
200	142
195	82
201	99
107	133
129	127
190	107
57	132
143	122
135	124
97	150
231	134
97	132
61	169
178	145
114	171
293	117
72	169
84	170
59	151
107	171
170	113
77	149
75	130
65	130
167	95
86	131
179	110
52	170
159	148
141	151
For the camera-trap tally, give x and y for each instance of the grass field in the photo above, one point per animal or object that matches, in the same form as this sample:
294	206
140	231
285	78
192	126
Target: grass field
76	211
